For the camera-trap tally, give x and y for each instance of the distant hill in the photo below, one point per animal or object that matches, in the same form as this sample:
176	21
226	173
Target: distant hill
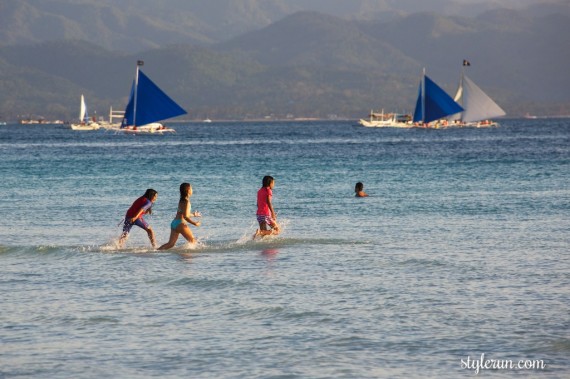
314	39
138	25
509	50
307	64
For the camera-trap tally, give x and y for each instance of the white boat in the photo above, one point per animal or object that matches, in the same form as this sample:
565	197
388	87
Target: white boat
152	128
85	123
478	107
433	105
113	116
387	120
147	105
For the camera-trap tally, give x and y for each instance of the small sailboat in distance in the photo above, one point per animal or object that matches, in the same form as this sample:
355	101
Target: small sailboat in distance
84	122
478	107
147	105
433	103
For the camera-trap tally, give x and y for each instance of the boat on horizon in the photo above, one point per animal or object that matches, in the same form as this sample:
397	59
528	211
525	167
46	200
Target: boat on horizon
148	105
111	123
478	107
433	104
85	123
387	120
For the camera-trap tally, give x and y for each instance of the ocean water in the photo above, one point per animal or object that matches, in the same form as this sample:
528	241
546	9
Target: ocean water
460	254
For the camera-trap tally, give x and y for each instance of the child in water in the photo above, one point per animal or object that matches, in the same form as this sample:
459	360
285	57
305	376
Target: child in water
266	216
178	225
359	190
134	216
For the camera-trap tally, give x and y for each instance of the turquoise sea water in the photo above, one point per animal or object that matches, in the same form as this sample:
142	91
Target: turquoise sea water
462	249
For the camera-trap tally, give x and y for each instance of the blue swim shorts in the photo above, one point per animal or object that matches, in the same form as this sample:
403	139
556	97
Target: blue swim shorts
175	223
140	222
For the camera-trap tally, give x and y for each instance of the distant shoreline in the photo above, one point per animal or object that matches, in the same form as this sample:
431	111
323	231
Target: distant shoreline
300	119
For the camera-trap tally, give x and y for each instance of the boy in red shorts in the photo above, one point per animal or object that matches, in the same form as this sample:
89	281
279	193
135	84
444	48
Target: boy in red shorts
266	216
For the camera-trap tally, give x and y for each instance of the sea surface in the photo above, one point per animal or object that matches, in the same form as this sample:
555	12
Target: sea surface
460	255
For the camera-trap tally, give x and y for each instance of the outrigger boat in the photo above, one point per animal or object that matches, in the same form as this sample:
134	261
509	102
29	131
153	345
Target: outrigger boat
387	120
433	104
147	105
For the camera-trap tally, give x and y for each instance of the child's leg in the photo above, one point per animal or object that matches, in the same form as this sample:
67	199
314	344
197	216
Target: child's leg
275	230
171	241
151	236
264	229
126	230
123	239
187	233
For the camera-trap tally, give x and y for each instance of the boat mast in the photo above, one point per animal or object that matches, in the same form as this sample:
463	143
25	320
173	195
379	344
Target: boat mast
460	96
423	99
139	63
465	64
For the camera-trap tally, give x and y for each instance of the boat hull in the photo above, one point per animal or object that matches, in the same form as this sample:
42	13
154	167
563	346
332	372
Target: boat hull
384	124
152	128
90	126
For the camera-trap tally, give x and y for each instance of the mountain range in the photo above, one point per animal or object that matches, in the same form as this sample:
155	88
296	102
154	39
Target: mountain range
238	59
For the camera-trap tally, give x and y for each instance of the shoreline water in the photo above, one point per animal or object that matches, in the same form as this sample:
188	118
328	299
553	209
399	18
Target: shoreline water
459	253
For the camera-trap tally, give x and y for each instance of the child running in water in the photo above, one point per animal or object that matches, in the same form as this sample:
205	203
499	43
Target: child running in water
266	216
178	225
134	216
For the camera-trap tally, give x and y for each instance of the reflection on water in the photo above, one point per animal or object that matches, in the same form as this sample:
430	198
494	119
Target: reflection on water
270	253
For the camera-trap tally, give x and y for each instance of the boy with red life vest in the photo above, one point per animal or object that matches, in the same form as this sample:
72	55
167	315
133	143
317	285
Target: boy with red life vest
134	216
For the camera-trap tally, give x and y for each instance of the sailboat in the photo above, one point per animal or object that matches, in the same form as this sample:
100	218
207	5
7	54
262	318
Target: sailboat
147	105
84	122
433	104
478	107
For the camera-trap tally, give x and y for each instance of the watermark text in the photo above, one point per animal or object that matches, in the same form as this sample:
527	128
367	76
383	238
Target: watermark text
483	363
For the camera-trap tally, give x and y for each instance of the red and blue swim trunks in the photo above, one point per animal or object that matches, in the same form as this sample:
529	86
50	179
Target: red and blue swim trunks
266	219
140	222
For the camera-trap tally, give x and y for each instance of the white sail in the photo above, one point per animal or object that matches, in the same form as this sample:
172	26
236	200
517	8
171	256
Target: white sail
459	93
476	104
82	109
458	99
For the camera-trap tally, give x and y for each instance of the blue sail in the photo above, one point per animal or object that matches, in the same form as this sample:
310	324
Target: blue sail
419	111
152	104
434	104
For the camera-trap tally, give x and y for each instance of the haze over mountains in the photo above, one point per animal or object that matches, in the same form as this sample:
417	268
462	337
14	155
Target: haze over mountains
311	58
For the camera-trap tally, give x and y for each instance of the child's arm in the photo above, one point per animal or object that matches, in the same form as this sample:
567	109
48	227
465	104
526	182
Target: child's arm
139	214
187	216
275	225
270	204
195	223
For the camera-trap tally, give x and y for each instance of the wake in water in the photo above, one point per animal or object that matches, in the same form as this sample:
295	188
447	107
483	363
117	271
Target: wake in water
204	244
